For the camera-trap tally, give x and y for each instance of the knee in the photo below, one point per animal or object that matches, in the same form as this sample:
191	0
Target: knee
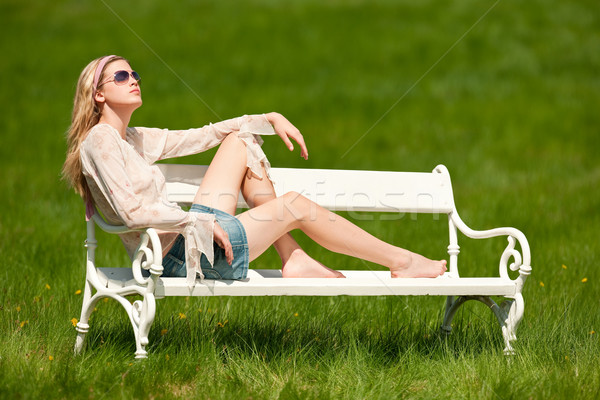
293	196
233	140
297	204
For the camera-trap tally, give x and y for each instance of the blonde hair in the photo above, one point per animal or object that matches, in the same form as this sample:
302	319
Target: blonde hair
85	115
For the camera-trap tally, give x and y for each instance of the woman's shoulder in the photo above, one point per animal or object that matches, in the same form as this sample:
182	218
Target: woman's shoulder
101	136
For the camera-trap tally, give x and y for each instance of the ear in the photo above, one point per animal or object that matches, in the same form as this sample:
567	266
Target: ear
99	97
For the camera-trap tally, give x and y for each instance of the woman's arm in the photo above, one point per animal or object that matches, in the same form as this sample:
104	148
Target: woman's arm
157	144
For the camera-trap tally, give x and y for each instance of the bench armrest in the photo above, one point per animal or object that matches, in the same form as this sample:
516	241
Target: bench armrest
522	260
147	256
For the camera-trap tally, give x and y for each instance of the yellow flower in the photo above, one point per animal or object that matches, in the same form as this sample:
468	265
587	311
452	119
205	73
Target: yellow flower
163	332
51	358
74	321
182	316
18	308
584	280
78	291
295	314
23	323
167	357
564	266
221	325
592	332
47	287
541	284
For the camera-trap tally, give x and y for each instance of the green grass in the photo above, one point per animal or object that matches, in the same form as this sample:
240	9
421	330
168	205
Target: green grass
510	110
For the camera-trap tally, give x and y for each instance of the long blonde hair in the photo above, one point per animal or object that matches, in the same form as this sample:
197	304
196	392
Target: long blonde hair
85	115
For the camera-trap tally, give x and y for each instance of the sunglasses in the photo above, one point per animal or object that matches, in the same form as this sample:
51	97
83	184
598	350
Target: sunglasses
122	77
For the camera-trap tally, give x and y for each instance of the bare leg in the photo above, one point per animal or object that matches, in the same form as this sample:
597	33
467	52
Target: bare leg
296	263
220	188
267	222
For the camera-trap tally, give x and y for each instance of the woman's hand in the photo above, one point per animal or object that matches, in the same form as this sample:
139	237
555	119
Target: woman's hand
222	239
286	130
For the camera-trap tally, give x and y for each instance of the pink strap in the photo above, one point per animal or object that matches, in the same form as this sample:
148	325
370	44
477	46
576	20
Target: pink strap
90	210
99	69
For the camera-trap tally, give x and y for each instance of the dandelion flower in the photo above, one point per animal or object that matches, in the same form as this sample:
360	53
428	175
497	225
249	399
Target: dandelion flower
541	284
74	321
18	308
167	357
182	316
78	291
584	280
592	332
564	266
23	323
163	332
295	314
47	287
51	358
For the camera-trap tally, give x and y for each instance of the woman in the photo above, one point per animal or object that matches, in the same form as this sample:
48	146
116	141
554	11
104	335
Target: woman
111	165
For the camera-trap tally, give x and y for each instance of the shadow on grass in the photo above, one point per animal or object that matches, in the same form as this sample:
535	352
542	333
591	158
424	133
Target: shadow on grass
276	339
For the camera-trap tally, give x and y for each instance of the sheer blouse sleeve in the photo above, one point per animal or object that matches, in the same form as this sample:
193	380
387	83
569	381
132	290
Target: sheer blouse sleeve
157	144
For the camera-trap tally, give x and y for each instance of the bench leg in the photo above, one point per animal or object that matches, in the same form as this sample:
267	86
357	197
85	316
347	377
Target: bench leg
82	326
508	314
141	315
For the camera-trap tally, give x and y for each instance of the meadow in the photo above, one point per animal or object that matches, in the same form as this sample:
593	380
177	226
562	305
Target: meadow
504	93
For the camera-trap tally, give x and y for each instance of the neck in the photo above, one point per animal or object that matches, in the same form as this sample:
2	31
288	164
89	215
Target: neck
118	119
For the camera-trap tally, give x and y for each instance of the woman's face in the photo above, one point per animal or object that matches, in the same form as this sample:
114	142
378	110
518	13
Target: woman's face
119	94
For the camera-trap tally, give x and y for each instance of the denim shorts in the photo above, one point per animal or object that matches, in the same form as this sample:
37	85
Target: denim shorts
174	261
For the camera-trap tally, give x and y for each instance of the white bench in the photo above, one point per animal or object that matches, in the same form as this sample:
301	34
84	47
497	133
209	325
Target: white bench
396	192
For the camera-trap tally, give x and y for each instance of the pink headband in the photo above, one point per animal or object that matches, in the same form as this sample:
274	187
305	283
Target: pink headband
99	69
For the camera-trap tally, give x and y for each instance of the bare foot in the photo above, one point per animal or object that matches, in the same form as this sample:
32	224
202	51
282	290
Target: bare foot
301	265
417	266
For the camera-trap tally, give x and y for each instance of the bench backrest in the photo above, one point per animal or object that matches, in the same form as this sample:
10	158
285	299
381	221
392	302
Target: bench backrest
338	190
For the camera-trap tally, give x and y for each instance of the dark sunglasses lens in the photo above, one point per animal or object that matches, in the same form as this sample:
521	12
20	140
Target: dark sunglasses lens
136	76
121	76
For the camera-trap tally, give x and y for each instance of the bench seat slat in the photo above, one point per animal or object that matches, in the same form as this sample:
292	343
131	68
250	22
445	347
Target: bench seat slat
268	282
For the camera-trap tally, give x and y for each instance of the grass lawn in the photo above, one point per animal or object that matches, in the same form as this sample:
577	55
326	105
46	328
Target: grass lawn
501	92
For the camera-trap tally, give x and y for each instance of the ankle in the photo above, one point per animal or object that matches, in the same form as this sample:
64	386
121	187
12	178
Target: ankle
401	260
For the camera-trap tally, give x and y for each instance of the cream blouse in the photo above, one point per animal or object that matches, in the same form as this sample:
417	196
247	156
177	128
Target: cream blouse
130	190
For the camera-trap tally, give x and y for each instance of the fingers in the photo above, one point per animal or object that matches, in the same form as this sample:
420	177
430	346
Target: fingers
294	134
222	239
286	131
